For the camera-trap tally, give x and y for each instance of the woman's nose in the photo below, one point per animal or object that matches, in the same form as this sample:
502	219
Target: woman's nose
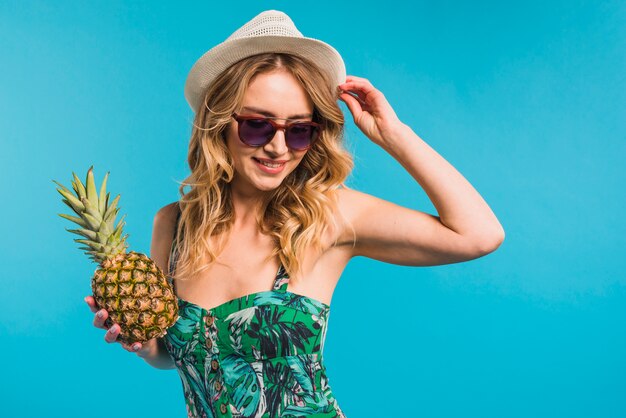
278	144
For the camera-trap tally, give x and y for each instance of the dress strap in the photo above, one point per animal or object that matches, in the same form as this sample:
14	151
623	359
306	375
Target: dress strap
282	279
174	248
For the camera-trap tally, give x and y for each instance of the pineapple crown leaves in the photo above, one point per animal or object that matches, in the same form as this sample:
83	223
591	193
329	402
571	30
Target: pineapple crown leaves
96	214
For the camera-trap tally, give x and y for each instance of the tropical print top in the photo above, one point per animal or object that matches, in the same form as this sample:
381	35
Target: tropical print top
259	355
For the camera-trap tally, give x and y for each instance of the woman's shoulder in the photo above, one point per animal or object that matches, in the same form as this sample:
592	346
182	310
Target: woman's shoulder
163	234
350	201
347	205
165	219
167	214
355	208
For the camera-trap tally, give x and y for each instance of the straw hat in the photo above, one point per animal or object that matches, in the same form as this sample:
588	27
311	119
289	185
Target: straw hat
269	31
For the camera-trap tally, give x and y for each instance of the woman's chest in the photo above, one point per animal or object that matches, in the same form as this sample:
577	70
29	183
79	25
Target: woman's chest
244	268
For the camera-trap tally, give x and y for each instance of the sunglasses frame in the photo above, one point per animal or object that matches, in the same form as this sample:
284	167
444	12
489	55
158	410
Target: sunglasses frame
284	127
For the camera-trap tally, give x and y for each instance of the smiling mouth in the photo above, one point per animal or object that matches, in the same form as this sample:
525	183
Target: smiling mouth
268	163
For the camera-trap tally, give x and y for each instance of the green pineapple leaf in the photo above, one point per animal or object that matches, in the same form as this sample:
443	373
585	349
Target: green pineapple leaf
67	202
112	208
70	200
92	194
79	221
99	236
78	186
84	232
103	194
121	246
91	221
91	210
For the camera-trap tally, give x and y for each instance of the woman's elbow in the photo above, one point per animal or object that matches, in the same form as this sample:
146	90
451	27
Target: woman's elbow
490	243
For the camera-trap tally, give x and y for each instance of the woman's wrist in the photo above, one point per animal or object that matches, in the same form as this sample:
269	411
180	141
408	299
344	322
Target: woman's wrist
155	354
397	136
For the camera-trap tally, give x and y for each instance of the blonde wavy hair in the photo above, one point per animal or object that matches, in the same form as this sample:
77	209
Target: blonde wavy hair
299	211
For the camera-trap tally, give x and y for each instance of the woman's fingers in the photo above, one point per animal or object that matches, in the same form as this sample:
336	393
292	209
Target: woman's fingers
112	333
111	337
375	101
370	109
133	348
99	318
353	104
370	99
101	314
361	86
351	88
360	97
92	303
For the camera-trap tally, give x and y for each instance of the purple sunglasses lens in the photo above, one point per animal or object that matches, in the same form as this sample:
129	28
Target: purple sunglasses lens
258	132
300	136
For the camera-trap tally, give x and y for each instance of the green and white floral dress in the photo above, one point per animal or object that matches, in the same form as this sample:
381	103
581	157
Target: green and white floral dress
259	355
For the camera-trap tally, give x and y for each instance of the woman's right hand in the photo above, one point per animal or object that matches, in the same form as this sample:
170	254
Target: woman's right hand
142	350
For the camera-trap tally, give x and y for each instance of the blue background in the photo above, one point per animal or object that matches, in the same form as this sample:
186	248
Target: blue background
526	99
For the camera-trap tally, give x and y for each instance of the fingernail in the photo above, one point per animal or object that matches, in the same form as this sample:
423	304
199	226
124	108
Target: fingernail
135	347
100	314
85	299
113	329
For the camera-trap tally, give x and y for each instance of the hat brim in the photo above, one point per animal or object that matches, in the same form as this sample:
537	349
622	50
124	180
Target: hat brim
222	56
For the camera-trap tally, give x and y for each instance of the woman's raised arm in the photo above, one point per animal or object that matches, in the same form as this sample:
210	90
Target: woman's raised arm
466	227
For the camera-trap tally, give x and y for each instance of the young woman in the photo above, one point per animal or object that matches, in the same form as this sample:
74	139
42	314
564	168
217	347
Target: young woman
258	243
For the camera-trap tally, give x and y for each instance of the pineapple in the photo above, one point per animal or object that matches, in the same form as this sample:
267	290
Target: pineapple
130	286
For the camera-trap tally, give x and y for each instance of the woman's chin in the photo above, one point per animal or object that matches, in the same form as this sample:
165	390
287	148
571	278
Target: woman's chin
268	186
261	185
268	183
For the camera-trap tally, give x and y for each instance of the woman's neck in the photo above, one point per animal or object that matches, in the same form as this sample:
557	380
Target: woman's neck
247	207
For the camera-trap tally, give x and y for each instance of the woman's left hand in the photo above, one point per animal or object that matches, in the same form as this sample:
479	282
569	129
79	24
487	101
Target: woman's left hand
370	109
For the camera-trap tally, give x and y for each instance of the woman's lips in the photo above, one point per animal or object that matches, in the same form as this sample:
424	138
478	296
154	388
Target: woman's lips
269	166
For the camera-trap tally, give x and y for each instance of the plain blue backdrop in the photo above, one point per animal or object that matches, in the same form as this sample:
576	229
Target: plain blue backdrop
526	99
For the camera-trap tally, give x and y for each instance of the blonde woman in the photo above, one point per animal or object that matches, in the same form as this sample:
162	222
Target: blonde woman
258	242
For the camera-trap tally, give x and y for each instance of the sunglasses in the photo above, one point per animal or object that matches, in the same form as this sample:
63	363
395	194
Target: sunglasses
257	131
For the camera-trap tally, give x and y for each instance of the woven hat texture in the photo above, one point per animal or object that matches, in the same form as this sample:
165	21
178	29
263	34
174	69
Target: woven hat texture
269	31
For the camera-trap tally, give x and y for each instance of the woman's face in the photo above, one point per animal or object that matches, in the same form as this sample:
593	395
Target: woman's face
279	95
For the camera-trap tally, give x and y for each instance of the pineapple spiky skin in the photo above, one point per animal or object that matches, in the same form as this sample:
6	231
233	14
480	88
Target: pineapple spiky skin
130	286
137	296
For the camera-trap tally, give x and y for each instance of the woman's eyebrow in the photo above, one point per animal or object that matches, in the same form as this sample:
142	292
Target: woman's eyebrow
270	114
